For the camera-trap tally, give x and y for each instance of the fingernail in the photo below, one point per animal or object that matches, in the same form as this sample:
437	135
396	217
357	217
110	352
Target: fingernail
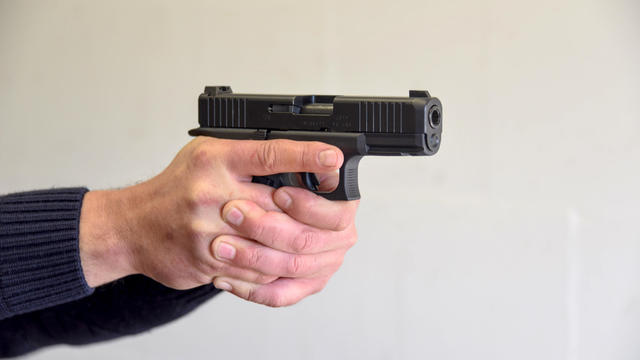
233	216
328	158
283	199
225	251
222	285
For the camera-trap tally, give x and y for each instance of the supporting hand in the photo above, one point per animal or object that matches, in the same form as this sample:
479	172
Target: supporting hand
302	247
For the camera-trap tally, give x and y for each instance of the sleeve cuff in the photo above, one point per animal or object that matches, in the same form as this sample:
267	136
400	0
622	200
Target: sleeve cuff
39	252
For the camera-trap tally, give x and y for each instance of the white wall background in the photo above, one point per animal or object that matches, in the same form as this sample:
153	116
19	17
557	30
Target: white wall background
519	240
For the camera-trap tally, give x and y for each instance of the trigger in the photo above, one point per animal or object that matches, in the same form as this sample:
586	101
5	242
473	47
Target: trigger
310	181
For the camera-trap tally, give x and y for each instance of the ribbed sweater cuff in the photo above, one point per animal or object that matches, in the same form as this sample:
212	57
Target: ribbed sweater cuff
39	251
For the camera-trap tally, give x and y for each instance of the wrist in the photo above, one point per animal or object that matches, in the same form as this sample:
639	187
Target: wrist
105	248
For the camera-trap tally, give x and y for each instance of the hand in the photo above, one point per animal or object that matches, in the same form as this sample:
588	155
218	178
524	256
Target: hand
163	228
302	247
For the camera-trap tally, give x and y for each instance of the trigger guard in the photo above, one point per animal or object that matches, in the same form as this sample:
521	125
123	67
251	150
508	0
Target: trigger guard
303	180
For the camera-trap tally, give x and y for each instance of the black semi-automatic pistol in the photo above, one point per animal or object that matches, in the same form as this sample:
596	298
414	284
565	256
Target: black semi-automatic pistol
358	125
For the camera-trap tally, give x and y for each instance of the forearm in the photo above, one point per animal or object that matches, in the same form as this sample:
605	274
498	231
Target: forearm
55	245
39	256
124	307
105	249
92	234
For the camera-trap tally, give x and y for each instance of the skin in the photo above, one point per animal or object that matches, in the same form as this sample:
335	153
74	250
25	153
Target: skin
202	220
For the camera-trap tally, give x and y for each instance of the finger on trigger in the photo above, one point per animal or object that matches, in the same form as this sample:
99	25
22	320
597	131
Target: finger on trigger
328	181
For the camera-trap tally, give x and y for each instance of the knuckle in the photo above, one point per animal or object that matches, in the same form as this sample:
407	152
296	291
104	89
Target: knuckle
267	155
254	257
342	222
262	198
264	231
296	265
202	196
258	231
352	238
305	152
202	155
305	242
251	295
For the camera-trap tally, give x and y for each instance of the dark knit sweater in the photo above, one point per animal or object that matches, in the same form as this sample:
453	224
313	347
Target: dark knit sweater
39	257
44	299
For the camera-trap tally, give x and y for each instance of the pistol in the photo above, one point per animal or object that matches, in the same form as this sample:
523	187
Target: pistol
358	125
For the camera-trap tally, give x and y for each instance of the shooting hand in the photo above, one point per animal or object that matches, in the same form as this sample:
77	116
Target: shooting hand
164	227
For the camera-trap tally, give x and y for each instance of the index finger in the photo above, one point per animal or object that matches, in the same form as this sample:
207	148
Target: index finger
267	157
